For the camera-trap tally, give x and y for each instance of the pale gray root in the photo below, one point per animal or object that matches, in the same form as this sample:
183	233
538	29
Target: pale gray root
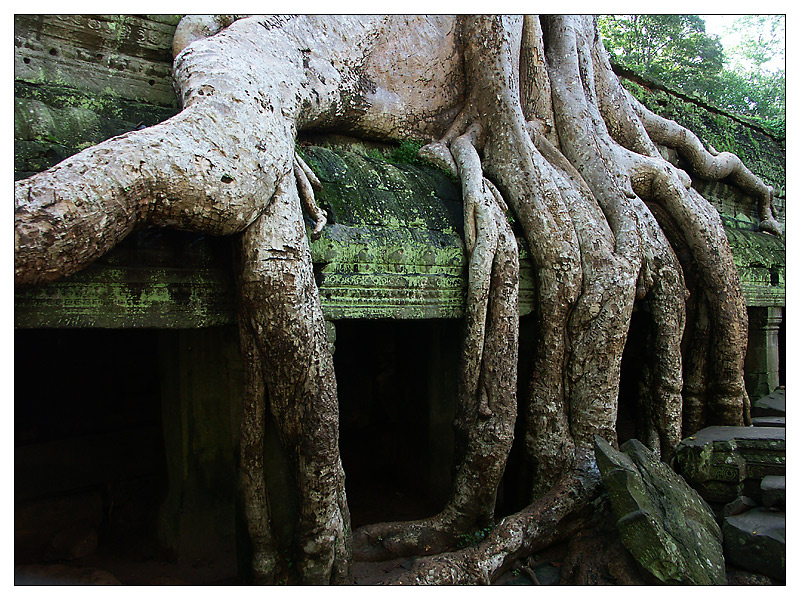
551	517
265	562
698	340
700	227
525	180
307	182
598	324
195	27
661	401
705	236
534	84
280	306
710	166
170	175
486	409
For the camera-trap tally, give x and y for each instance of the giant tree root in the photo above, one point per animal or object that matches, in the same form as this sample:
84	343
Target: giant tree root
554	516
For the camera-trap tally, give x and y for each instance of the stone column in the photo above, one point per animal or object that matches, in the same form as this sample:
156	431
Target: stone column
762	363
201	388
330	329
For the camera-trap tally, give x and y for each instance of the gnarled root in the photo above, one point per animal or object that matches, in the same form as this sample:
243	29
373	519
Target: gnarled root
554	516
710	166
487	408
284	332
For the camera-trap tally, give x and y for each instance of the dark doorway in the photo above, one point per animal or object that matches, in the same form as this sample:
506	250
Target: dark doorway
88	457
396	382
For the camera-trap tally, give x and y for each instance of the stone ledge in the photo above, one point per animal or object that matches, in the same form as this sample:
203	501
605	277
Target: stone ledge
723	463
393	249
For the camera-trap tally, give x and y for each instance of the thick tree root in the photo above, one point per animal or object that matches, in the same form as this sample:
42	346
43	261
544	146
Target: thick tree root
710	166
487	407
282	322
554	516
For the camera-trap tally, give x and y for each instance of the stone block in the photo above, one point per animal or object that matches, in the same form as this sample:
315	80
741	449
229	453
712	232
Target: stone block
773	491
769	421
723	463
738	506
663	523
773	405
756	541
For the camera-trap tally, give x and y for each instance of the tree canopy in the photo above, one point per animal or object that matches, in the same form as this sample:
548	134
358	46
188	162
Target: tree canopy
678	51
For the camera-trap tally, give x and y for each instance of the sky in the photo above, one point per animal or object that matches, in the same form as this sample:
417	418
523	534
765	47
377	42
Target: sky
717	24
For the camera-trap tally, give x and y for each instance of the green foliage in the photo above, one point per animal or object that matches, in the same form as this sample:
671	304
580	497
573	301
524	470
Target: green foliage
672	49
406	153
466	540
754	78
677	51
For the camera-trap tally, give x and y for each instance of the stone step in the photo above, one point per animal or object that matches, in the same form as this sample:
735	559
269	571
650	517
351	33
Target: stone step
773	405
756	541
773	491
769	421
723	463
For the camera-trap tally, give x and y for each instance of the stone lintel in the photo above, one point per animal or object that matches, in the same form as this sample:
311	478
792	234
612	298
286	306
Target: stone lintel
393	249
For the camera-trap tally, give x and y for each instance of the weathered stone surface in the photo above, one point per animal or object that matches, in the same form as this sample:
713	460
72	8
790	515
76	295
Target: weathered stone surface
723	463
80	79
61	575
738	506
773	405
756	541
773	491
124	55
664	523
155	278
769	421
760	259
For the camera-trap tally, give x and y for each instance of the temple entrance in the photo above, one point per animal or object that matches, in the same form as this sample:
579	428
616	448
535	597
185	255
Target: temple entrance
110	479
397	388
89	457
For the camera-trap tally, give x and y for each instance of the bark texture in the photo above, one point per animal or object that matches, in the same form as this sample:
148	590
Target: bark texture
527	113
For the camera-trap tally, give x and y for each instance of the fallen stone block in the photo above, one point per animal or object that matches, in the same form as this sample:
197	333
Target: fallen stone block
756	541
738	506
773	491
723	463
773	405
664	524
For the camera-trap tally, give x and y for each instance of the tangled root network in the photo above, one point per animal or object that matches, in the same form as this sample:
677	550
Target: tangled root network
528	115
